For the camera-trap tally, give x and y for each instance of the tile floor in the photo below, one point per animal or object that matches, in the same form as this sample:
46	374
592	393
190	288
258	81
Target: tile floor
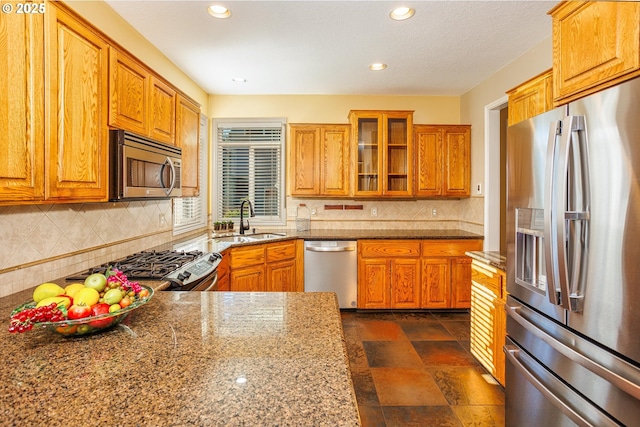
415	369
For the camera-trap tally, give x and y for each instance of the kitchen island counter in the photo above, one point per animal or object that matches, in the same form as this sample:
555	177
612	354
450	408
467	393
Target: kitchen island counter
186	359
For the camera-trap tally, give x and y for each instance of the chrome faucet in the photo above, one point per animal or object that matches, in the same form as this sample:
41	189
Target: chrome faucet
251	213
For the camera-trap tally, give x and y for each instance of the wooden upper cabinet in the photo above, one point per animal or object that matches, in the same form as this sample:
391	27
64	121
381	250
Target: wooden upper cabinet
188	138
533	97
140	102
595	45
304	158
383	152
319	159
129	94
77	133
443	160
162	111
456	161
22	122
429	160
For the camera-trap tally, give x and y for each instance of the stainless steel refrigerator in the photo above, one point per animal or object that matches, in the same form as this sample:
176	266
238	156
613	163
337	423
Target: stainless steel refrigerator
573	264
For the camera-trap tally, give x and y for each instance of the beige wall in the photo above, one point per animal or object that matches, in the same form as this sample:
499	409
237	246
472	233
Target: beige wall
472	103
333	108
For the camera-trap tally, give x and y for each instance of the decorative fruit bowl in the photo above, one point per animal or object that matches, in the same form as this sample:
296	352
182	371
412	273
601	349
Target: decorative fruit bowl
87	325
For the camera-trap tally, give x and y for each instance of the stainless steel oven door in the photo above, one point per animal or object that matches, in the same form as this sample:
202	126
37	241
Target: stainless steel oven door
208	283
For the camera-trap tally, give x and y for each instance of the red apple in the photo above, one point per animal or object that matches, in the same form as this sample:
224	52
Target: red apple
97	310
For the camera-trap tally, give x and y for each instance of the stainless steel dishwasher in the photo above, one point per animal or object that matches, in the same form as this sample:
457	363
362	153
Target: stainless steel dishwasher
332	266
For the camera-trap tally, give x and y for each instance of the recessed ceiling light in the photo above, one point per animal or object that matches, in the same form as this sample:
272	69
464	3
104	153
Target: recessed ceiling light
378	66
239	80
401	13
219	11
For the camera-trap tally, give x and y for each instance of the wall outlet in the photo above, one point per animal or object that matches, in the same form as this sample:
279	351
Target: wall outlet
374	211
478	189
162	220
314	211
434	212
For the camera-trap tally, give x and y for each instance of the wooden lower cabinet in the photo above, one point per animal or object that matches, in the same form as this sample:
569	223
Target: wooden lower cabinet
250	279
415	274
269	267
436	289
488	318
446	273
388	274
224	282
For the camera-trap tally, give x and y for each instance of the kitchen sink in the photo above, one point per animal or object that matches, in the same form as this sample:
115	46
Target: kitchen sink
246	238
263	236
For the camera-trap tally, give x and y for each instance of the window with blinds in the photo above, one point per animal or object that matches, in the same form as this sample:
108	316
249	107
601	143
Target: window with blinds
249	165
190	213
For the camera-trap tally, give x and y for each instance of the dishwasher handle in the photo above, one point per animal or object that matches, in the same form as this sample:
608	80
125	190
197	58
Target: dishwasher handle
330	248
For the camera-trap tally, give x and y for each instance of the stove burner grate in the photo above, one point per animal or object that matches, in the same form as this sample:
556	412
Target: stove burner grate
146	264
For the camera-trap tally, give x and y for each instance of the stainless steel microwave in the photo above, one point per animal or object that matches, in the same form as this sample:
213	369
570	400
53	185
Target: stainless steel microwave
141	168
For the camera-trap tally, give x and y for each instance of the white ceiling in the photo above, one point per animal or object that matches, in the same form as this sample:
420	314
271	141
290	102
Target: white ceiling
325	47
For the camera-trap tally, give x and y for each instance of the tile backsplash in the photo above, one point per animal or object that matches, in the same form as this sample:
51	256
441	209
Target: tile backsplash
464	214
44	242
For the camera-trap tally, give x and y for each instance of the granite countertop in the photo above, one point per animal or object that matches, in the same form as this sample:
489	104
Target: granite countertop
210	242
492	258
186	359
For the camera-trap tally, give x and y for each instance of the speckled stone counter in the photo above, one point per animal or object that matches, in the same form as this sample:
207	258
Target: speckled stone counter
186	359
492	258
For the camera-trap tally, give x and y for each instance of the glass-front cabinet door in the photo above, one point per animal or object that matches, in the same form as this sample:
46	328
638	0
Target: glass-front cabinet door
384	152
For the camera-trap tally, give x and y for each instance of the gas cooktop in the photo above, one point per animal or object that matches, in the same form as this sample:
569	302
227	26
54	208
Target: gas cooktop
145	264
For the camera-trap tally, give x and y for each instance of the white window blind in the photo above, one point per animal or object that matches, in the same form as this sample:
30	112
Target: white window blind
249	164
190	213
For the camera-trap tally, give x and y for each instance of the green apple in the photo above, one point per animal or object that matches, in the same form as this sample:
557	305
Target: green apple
97	281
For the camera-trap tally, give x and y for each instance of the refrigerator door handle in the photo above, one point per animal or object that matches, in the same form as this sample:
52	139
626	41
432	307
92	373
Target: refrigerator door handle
559	207
512	354
550	229
576	215
620	382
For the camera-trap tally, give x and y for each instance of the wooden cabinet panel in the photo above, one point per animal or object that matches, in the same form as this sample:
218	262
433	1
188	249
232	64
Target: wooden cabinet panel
461	282
450	248
443	161
281	251
277	267
319	159
246	256
334	158
77	136
429	165
129	83
436	283
249	279
456	143
281	277
389	248
488	318
22	107
533	97
595	45
188	138
304	158
162	114
373	284
405	283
